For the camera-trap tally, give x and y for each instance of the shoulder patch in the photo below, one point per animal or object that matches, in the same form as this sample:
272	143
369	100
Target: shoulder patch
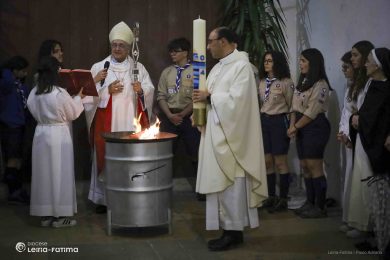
322	95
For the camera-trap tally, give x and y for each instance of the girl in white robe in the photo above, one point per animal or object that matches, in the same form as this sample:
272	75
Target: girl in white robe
349	108
53	192
358	201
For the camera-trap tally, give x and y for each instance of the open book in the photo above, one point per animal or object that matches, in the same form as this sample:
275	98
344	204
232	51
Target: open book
74	80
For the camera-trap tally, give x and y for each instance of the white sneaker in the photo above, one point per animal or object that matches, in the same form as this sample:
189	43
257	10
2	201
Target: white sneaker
64	222
345	228
354	233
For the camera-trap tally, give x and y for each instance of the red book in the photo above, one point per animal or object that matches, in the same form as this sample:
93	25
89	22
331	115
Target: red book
74	80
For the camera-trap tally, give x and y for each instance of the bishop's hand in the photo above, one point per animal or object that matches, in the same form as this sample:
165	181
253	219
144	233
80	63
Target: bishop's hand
115	87
100	76
137	88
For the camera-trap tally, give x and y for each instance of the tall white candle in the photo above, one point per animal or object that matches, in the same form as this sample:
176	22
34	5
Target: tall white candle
199	66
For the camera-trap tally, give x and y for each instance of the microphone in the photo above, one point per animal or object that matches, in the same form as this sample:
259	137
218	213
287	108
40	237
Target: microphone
106	66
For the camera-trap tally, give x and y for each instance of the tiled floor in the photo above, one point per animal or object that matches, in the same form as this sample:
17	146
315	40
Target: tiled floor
280	236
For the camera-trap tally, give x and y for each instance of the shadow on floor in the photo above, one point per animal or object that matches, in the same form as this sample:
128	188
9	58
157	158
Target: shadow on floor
280	236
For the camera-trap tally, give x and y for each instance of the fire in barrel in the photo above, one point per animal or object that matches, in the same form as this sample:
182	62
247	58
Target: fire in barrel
138	178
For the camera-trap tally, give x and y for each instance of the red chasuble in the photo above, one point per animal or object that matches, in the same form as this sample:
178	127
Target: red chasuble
102	124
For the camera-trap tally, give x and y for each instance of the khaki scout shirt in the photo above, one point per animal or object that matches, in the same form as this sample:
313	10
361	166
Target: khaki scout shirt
313	101
166	88
279	98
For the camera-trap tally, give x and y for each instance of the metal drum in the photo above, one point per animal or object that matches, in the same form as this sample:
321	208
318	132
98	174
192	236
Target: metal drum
138	180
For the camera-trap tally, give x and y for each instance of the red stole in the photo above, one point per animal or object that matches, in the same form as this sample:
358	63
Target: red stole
102	124
142	115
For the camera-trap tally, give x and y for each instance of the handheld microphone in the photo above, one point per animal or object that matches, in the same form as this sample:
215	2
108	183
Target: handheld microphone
106	66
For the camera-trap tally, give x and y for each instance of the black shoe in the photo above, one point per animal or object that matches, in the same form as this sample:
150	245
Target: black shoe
270	202
228	240
200	197
329	203
213	241
101	209
306	206
314	212
280	206
19	197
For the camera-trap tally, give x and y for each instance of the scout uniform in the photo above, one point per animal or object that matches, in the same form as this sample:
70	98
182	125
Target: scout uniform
175	87
275	102
177	99
313	137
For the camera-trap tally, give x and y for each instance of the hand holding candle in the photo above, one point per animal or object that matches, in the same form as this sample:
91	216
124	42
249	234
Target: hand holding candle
199	95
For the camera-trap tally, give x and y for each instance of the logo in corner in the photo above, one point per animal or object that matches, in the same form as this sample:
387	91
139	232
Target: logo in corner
20	247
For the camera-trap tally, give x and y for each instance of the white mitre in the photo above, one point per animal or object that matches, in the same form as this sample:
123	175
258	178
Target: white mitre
121	31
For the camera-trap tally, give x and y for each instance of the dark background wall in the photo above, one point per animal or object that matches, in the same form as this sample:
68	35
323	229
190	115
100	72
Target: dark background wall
83	26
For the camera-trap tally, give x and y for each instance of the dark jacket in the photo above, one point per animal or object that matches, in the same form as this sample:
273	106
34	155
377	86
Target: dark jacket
13	98
374	125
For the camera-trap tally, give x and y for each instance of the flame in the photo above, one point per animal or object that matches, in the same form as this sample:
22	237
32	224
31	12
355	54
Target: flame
137	125
149	133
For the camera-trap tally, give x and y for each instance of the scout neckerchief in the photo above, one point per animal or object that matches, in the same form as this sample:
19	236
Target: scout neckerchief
178	76
268	87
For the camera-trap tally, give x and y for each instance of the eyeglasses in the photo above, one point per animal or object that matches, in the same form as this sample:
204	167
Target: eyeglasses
268	61
120	46
209	41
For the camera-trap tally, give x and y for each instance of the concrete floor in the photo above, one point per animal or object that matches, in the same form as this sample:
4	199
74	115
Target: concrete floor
280	236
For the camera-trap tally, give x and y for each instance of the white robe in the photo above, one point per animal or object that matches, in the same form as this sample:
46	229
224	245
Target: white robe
358	205
231	144
349	108
123	108
53	190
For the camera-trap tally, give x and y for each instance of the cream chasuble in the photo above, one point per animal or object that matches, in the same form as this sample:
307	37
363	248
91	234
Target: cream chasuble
231	142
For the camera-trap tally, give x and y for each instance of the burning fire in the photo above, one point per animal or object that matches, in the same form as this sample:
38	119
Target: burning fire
149	133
